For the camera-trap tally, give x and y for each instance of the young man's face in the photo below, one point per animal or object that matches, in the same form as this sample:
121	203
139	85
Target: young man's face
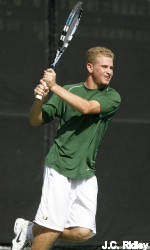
101	70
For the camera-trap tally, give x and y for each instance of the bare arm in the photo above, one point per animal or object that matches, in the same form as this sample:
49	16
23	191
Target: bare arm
35	115
82	105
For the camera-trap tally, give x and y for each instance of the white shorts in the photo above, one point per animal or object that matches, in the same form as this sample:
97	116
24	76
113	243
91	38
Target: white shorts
67	202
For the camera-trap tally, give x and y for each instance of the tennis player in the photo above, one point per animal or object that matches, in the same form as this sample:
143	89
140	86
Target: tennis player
69	195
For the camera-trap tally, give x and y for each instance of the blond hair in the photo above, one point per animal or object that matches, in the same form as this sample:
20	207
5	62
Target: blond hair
93	53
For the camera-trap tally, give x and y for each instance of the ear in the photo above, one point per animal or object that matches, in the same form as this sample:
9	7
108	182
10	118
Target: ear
89	67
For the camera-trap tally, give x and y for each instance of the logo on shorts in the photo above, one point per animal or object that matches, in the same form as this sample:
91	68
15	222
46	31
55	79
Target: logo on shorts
18	238
44	218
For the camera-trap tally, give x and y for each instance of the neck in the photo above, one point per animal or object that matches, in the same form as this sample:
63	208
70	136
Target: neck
91	84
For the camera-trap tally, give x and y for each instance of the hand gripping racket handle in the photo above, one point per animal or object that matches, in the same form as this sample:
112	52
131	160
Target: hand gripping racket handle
39	96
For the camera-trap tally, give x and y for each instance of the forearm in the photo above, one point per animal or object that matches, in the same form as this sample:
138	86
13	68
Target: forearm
35	115
75	101
82	105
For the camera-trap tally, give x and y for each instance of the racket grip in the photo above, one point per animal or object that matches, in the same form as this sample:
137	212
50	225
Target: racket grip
39	97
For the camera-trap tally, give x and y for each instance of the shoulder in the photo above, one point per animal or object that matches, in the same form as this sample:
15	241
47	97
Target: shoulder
71	87
114	94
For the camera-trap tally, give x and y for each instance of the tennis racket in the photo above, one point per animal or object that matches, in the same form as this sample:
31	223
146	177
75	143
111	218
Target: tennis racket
67	34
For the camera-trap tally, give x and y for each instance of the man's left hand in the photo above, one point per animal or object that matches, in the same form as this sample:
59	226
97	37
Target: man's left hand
49	77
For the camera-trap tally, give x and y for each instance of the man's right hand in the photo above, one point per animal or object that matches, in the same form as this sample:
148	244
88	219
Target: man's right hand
41	89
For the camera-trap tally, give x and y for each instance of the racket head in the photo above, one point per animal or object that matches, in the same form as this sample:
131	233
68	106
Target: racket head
68	32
